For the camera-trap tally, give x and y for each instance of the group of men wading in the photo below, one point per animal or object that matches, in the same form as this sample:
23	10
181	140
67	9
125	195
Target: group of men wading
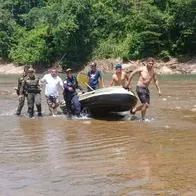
29	87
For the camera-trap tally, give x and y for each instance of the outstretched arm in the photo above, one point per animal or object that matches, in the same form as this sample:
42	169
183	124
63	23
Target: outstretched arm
42	81
112	82
61	83
131	76
156	82
101	80
22	89
126	86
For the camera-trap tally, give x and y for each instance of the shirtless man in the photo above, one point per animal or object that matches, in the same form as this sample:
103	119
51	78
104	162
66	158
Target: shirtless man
146	75
119	78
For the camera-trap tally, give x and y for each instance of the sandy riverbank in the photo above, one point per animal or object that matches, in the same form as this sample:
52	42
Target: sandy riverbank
107	65
171	67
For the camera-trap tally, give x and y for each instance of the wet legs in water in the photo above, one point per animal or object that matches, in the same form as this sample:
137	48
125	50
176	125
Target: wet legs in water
31	99
73	106
21	101
143	108
77	106
52	104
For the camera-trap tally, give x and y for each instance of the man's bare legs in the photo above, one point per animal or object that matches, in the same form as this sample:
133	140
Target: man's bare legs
143	108
53	108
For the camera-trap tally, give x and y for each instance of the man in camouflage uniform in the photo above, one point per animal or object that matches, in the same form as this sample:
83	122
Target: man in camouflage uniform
32	87
21	99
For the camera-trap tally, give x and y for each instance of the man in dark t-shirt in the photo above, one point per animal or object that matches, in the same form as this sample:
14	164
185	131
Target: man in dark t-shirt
70	93
95	77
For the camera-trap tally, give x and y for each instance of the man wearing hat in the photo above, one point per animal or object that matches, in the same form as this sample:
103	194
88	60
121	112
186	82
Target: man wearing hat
120	77
32	87
21	99
95	77
70	93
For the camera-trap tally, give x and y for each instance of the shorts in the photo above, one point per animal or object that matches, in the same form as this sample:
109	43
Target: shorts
52	100
143	94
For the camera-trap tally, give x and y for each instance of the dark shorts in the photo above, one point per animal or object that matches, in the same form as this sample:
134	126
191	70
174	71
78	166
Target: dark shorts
143	94
52	100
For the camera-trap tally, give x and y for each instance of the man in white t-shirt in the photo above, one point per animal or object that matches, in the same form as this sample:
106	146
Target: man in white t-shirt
52	83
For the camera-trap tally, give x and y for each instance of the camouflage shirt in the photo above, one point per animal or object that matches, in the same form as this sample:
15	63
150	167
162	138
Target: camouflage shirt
30	85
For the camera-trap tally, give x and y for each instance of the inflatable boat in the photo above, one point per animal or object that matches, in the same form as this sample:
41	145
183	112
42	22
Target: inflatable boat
108	100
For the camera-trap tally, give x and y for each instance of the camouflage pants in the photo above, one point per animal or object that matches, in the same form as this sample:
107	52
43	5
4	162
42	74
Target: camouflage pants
21	102
34	98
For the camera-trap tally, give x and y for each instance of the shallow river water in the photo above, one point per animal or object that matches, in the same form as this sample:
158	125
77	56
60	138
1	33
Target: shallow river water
91	157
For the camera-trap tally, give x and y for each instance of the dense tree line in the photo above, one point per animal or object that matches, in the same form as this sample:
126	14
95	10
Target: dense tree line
74	31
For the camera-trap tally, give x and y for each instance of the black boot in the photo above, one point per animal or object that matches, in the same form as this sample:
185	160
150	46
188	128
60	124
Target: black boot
18	113
39	114
39	110
31	112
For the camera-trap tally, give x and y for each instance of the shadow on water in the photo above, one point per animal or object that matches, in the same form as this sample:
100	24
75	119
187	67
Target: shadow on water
109	116
120	116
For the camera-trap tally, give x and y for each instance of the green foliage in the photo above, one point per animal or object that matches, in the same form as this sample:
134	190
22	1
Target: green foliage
184	31
6	26
164	55
31	47
44	31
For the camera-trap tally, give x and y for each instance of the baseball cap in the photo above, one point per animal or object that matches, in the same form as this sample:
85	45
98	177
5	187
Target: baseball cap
31	70
93	64
118	66
68	69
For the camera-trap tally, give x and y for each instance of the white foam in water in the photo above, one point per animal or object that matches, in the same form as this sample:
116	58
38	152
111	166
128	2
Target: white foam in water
137	118
8	113
82	117
148	120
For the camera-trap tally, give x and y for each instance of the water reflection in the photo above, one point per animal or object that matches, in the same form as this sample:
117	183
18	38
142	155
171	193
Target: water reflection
32	130
113	156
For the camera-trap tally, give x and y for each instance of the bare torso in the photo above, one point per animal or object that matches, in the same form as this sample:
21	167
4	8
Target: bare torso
146	76
119	79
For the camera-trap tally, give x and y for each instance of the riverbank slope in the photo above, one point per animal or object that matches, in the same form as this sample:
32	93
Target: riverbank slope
173	66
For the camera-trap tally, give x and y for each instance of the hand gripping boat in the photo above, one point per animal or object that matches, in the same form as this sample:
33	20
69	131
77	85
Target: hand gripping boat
108	100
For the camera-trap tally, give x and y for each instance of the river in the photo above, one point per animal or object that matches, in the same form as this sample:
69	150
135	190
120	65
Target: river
92	157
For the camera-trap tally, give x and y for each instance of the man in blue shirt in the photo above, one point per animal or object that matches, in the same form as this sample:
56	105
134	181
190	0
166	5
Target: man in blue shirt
95	77
70	94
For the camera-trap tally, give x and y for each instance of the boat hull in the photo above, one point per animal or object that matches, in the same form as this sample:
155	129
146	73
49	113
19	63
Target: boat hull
108	100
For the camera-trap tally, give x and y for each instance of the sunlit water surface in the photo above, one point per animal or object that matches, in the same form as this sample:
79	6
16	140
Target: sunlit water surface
112	156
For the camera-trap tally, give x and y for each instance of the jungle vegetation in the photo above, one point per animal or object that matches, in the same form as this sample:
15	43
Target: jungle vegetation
72	32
